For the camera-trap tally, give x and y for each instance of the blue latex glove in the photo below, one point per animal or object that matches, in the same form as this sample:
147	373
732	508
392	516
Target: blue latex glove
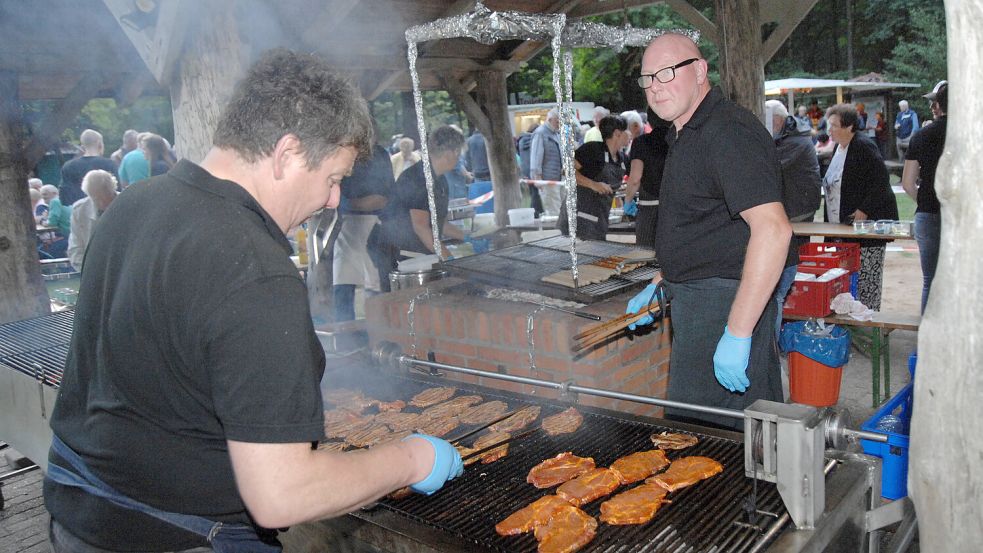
631	208
730	361
447	465
640	301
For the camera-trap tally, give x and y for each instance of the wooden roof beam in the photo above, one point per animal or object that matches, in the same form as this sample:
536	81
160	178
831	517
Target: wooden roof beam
459	92
159	45
62	116
793	14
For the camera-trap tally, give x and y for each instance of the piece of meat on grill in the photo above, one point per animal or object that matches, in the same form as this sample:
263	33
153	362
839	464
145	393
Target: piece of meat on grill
559	469
341	426
564	422
352	400
432	396
526	519
635	506
398	421
521	419
484	413
639	466
686	471
589	486
391	406
368	436
491	439
401	493
568	530
451	407
673	440
437	426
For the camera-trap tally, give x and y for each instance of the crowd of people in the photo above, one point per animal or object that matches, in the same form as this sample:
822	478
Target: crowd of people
66	213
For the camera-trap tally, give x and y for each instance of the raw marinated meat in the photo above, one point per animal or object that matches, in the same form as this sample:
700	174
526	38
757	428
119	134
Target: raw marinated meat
635	506
398	421
484	413
368	436
686	471
563	423
568	530
639	466
526	519
451	407
674	440
438	427
559	469
391	406
521	419
589	486
432	396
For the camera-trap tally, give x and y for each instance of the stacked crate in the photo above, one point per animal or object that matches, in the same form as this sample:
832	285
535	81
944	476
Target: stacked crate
811	298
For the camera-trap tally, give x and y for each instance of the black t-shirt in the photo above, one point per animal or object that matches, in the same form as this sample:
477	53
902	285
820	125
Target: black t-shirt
192	328
651	149
74	171
371	176
593	157
410	192
926	148
721	163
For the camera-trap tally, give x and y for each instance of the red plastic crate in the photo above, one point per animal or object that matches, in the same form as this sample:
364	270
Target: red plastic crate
819	257
810	298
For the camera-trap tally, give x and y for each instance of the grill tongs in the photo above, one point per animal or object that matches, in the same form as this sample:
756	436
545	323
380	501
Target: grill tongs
497	445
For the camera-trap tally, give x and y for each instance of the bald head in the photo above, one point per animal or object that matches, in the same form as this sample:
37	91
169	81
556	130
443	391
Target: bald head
679	77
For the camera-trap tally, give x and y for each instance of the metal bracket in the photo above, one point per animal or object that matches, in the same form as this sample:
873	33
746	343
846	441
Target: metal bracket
565	393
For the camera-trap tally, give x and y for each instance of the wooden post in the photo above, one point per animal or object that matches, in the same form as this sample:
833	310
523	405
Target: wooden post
945	479
22	291
742	73
493	99
209	67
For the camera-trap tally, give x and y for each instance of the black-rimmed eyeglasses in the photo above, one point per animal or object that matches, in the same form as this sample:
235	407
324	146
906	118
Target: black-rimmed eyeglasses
664	75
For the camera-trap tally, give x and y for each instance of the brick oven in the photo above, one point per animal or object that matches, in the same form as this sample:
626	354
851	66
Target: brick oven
457	321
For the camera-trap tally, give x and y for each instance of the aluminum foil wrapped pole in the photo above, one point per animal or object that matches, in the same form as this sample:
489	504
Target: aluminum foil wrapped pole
487	27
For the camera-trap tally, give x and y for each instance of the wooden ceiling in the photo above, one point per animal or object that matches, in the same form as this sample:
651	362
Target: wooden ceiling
73	44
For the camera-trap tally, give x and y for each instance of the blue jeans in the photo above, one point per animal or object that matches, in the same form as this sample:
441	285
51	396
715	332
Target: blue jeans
928	233
781	290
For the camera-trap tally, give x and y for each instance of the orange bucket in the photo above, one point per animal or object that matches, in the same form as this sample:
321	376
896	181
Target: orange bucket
811	382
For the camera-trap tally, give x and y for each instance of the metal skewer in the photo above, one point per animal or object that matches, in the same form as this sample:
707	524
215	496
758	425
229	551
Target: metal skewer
582	314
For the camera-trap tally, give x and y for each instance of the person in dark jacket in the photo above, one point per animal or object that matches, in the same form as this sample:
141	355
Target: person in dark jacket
523	147
858	188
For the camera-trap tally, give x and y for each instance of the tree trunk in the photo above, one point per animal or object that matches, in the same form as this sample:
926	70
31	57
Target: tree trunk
22	291
493	99
210	66
945	480
742	75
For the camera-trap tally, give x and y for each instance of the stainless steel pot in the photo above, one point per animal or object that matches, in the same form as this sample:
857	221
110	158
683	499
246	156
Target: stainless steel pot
401	280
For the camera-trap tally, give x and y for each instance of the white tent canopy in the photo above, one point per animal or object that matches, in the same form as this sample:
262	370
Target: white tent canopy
790	86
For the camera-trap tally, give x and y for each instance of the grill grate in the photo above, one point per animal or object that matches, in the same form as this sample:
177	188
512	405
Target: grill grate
39	343
523	266
701	518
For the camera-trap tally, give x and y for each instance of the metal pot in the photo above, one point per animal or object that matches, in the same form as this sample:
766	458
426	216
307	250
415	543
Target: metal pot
401	280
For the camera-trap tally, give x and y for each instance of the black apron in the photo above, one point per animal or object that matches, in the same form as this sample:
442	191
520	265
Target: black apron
645	222
699	313
593	208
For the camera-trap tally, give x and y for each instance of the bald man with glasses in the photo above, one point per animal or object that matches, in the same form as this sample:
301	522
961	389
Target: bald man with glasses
722	237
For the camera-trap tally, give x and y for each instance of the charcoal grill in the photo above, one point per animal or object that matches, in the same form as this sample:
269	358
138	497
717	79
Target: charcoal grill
523	266
32	360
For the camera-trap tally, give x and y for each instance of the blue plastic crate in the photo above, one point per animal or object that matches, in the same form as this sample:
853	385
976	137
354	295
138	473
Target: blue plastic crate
894	453
912	363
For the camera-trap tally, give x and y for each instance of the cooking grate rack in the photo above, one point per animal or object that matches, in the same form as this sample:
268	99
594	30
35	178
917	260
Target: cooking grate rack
523	266
38	346
705	517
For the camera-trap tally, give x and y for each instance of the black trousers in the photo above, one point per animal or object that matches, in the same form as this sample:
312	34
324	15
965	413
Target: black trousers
384	255
645	222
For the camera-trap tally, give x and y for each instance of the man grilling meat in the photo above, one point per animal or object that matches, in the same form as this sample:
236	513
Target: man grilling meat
190	402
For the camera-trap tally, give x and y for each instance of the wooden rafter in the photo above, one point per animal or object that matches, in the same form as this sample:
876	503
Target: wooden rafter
459	92
159	45
62	116
794	13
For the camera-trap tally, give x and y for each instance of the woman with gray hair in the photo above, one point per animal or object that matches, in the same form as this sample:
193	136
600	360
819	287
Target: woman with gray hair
100	190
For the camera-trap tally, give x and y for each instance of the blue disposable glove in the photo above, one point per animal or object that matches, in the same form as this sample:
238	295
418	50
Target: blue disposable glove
447	465
631	208
730	361
641	301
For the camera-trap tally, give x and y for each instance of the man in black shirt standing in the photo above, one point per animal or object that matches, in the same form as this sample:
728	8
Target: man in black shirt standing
191	395
722	238
648	158
918	180
75	170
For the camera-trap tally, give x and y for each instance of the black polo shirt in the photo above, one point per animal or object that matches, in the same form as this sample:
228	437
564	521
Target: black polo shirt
370	176
651	149
192	328
926	148
410	192
720	163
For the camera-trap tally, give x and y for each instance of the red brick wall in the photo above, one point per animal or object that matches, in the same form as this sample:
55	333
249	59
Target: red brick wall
490	335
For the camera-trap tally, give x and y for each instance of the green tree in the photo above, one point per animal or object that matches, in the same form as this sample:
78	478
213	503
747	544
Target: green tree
922	59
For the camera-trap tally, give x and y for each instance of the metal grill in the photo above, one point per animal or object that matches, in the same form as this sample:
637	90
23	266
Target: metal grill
38	346
703	517
523	267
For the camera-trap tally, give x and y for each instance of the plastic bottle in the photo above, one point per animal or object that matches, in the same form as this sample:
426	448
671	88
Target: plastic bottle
301	237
